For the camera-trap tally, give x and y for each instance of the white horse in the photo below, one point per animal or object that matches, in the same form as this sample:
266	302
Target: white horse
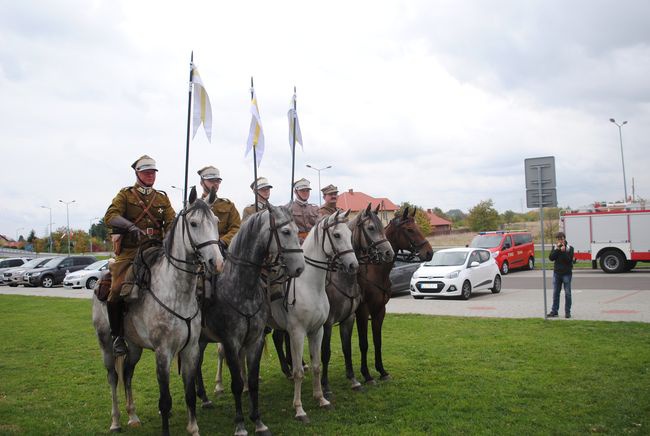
305	307
166	318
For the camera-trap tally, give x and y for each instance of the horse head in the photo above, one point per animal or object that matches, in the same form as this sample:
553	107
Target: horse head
284	242
201	232
369	238
337	241
404	234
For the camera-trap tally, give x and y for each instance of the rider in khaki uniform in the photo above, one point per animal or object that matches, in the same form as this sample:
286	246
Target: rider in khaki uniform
223	208
262	197
137	214
304	213
330	195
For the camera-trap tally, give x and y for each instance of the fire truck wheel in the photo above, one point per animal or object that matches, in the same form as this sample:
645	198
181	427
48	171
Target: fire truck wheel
630	264
612	262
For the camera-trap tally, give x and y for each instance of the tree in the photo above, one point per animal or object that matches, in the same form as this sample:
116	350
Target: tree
421	218
508	217
31	237
483	216
99	230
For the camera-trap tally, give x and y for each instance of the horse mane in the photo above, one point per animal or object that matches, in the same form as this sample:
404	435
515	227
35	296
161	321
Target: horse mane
248	234
199	205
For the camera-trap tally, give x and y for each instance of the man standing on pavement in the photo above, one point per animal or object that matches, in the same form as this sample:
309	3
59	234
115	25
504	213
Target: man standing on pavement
562	257
262	197
330	195
223	208
304	213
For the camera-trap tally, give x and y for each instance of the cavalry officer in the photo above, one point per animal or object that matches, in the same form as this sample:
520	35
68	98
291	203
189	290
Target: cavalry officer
262	197
330	195
223	208
137	214
304	213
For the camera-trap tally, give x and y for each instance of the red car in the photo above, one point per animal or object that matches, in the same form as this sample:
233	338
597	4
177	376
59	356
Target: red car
510	248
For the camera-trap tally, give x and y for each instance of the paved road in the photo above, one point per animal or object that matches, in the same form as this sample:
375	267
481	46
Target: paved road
596	296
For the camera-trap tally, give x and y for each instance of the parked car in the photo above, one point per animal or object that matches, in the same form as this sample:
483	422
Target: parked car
510	248
86	277
14	276
11	262
53	272
456	272
400	276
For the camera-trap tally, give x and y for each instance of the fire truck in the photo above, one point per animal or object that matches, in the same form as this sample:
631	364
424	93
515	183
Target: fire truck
616	236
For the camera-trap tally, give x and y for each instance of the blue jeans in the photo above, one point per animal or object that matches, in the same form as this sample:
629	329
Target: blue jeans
558	279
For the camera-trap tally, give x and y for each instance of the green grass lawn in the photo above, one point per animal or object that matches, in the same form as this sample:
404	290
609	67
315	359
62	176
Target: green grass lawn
450	375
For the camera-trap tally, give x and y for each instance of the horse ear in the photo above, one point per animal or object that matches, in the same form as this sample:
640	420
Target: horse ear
192	198
212	196
368	208
415	209
345	215
377	208
406	213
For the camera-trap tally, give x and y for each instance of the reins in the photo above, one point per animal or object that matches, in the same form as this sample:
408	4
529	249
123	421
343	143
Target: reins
331	264
368	254
413	246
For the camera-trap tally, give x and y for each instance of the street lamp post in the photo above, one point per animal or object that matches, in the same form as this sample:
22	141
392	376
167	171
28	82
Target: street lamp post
50	237
620	137
67	214
318	170
90	233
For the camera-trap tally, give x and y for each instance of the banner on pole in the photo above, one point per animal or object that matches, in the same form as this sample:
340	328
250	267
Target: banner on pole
202	110
293	121
255	133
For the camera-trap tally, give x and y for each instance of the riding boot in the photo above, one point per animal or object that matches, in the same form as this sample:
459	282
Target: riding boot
116	321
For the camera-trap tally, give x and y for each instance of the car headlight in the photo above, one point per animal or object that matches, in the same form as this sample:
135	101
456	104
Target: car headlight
36	274
453	274
495	254
416	274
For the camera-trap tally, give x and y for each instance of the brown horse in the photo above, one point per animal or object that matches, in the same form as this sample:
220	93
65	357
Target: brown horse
404	235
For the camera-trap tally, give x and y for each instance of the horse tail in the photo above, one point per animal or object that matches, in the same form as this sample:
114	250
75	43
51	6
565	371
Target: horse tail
119	368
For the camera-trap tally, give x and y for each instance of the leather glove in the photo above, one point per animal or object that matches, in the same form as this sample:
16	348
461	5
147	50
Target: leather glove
124	224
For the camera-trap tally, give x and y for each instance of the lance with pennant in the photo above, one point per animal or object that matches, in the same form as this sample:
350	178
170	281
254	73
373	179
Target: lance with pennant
187	142
294	117
254	154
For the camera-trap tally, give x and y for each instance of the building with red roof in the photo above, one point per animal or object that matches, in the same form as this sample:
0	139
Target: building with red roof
357	201
439	226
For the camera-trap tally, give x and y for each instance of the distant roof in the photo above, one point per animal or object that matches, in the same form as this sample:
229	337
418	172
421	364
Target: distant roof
356	201
435	220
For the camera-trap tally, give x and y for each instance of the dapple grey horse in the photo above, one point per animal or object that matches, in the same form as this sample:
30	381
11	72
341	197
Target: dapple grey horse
304	309
343	291
238	310
165	316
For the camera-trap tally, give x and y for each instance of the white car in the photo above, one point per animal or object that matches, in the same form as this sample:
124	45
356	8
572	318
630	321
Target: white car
86	277
14	276
456	272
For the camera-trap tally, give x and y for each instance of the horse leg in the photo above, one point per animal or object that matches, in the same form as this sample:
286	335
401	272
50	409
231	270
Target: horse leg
236	386
189	361
163	363
200	386
278	341
362	330
133	357
253	359
326	353
242	366
297	344
377	322
315	343
345	331
112	377
221	355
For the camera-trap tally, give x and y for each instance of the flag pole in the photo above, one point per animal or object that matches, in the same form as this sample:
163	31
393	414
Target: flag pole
187	142
293	144
254	157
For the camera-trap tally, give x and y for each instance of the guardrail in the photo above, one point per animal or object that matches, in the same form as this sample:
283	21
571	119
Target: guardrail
14	252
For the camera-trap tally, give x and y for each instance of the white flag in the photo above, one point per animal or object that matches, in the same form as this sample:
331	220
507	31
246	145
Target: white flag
202	111
293	118
255	133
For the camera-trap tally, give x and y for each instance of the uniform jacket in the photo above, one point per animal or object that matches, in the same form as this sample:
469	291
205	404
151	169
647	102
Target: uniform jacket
229	220
250	209
131	206
326	210
304	214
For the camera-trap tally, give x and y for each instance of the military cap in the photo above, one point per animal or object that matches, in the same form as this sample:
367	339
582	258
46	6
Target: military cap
262	182
330	189
209	173
144	163
301	184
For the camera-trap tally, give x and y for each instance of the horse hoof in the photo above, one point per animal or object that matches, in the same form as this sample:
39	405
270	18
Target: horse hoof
266	432
328	395
328	406
219	392
371	382
207	405
357	387
303	418
134	423
385	377
116	429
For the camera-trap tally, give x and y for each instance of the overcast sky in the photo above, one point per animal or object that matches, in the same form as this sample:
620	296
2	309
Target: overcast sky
433	102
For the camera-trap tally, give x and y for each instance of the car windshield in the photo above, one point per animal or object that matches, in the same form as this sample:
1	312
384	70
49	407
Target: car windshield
95	266
55	261
486	241
32	263
447	258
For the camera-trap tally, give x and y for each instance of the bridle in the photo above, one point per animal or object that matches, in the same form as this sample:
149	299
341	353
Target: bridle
414	247
332	263
370	253
197	258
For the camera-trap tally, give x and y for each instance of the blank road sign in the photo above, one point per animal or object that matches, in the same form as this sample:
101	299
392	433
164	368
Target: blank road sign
547	165
549	198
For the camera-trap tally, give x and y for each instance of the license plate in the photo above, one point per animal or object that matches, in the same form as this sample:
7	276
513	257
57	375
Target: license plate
429	286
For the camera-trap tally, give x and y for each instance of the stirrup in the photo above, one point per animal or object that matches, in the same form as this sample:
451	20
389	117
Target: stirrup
119	346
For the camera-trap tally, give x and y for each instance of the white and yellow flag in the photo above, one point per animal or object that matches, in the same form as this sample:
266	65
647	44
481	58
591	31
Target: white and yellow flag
201	109
255	133
293	119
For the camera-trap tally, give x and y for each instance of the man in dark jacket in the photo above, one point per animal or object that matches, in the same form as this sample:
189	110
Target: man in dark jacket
562	257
